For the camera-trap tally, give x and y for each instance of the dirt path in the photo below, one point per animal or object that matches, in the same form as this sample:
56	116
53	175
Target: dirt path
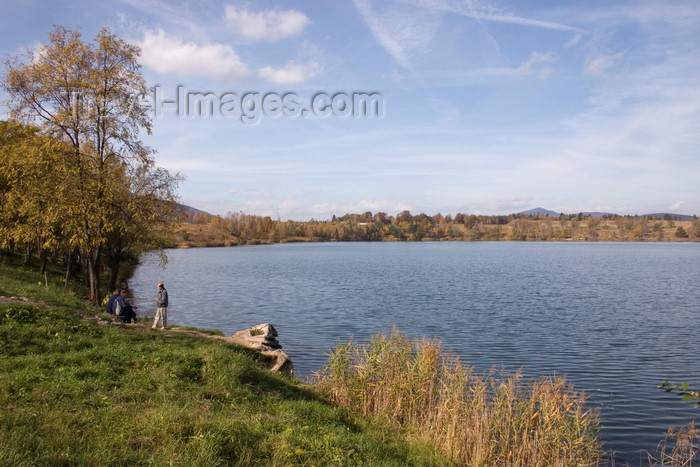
278	360
97	319
27	301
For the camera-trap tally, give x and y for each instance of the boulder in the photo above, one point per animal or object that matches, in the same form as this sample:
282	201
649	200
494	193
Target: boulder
263	338
279	361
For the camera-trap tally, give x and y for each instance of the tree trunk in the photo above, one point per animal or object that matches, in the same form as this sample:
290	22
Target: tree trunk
69	266
93	260
113	273
84	266
43	258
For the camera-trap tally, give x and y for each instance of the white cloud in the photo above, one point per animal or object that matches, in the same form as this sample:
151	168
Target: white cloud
308	64
652	111
374	206
677	206
474	9
167	12
168	54
537	62
574	41
512	204
267	25
189	165
598	66
291	73
403	32
406	28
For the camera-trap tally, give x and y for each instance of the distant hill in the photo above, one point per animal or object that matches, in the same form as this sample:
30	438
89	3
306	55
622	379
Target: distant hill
675	217
192	211
599	215
537	211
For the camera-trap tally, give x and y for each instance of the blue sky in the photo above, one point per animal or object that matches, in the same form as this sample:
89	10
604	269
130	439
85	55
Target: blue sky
488	107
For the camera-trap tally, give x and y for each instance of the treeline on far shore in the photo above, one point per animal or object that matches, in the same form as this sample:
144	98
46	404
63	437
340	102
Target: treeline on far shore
245	229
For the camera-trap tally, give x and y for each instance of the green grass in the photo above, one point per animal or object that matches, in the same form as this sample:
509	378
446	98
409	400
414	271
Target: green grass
211	332
73	392
24	280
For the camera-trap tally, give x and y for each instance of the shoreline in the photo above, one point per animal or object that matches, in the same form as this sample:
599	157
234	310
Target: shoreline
226	232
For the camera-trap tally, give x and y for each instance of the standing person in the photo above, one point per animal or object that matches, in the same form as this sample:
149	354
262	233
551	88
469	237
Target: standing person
162	304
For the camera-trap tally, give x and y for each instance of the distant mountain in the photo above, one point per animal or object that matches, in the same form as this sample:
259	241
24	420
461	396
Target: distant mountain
674	217
192	211
536	211
598	215
662	215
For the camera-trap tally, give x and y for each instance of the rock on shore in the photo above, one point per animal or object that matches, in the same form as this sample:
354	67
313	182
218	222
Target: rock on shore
263	338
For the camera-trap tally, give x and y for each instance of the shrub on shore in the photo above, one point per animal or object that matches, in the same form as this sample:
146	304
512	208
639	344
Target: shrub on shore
475	419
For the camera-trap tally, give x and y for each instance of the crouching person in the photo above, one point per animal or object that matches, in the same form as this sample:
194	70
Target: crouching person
124	309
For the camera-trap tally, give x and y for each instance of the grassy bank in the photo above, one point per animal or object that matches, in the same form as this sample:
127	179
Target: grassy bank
73	392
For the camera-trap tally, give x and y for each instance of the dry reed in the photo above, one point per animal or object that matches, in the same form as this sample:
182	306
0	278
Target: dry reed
475	419
684	444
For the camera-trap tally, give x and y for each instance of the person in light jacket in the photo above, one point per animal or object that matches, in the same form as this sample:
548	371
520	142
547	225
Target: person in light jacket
162	304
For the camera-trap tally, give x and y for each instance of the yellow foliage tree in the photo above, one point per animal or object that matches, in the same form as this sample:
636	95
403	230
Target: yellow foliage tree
86	96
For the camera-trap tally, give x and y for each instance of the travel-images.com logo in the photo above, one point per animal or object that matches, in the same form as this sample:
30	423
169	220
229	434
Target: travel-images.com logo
248	107
251	107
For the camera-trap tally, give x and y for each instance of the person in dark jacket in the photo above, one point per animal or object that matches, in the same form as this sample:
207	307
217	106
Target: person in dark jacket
110	303
162	304
127	310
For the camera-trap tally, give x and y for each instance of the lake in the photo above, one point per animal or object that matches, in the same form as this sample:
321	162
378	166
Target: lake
615	318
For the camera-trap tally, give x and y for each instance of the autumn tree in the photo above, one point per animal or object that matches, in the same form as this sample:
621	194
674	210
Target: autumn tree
33	189
695	230
381	218
85	94
404	216
681	233
143	219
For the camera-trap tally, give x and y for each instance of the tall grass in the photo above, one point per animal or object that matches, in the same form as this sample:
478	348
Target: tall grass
475	419
680	447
